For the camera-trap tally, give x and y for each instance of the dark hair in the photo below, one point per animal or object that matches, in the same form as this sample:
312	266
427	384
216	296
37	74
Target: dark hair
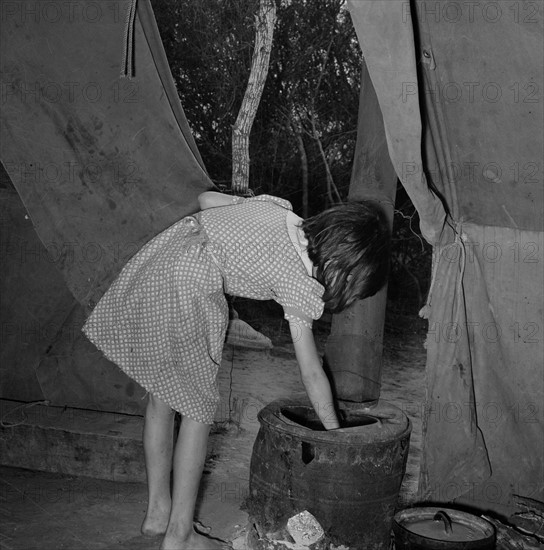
352	238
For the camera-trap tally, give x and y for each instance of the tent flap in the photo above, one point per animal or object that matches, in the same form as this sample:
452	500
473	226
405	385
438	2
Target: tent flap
459	86
484	438
85	148
388	46
102	164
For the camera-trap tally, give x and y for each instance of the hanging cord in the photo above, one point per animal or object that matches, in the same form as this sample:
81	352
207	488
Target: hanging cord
425	311
459	291
459	241
23	408
127	68
232	411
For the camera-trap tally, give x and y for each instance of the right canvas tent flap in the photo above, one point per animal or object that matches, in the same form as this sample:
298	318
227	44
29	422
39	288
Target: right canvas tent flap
460	89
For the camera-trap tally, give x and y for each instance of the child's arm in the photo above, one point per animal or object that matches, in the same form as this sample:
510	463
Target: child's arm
212	199
313	376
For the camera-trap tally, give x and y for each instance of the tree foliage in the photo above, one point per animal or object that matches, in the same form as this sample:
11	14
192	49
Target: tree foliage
312	88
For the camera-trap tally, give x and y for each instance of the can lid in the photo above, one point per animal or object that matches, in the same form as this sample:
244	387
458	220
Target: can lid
444	525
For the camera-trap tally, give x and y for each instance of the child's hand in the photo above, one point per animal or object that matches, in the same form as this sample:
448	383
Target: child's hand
331	424
313	376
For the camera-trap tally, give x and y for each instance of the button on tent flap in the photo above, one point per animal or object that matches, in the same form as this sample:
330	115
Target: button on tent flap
102	164
457	87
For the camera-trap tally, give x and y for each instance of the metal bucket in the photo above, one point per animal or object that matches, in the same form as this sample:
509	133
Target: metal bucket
348	480
441	529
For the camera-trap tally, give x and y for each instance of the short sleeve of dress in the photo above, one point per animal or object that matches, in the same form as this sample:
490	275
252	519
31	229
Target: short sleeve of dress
302	300
270	198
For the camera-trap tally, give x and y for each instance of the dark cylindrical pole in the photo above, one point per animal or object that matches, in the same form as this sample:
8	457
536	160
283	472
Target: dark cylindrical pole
353	353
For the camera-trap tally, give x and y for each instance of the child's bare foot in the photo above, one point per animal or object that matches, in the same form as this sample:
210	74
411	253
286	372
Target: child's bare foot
156	520
195	541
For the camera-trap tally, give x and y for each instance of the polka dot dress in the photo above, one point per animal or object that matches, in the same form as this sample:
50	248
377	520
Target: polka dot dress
164	319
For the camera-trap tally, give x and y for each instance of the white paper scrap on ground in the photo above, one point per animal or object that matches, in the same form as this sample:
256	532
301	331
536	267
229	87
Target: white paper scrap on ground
305	529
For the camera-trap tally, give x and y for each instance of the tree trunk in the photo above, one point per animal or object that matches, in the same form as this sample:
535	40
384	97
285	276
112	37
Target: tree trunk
304	167
264	24
331	186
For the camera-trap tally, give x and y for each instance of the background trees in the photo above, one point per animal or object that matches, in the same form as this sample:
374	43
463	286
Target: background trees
309	105
303	137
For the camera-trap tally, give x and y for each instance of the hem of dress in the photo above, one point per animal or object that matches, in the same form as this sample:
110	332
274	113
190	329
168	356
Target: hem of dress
164	400
147	387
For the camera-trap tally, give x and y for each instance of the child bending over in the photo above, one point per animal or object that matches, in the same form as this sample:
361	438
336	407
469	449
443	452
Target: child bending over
163	322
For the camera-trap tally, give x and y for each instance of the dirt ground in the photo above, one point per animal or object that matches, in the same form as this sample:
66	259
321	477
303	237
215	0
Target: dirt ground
52	512
251	379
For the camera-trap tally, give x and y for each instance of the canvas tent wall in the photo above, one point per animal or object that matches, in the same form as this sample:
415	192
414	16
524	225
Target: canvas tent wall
100	164
460	87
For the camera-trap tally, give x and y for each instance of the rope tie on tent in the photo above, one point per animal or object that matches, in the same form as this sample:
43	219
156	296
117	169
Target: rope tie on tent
24	417
458	297
460	242
425	311
128	41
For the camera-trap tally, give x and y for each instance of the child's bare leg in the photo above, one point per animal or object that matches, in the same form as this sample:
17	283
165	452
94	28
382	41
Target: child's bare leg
189	460
158	447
